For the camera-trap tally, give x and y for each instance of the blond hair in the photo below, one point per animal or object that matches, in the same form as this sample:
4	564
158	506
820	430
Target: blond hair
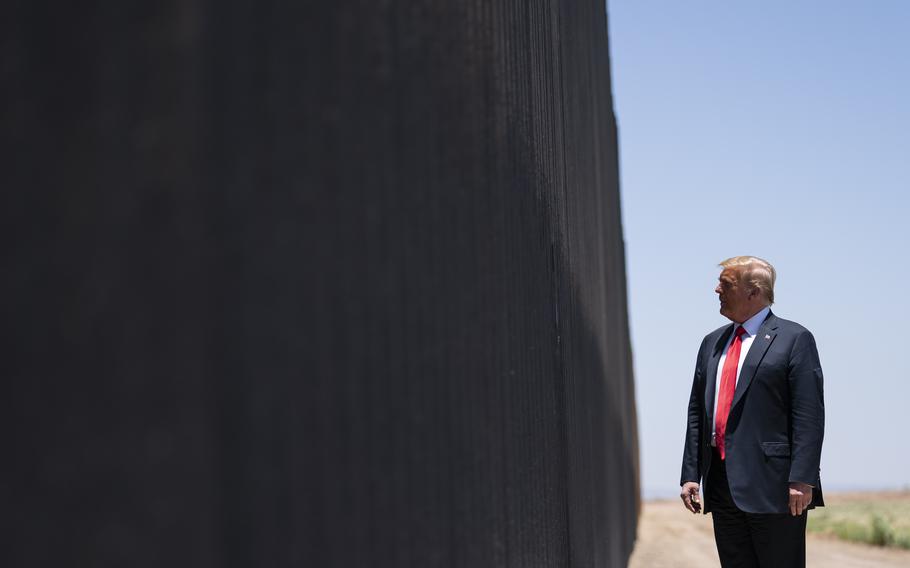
755	272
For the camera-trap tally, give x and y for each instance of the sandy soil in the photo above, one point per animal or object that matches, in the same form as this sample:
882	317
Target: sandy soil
671	537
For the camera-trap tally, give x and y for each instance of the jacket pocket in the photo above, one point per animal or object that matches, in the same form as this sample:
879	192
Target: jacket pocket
776	449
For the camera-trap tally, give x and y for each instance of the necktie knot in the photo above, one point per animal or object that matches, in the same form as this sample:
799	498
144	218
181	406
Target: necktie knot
740	331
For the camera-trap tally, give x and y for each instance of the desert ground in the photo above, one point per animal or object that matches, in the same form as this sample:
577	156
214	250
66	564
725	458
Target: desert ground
671	537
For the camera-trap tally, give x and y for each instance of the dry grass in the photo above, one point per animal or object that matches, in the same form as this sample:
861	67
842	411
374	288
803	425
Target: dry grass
877	518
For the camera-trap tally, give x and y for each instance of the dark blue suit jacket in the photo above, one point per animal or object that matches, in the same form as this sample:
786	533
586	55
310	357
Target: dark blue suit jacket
776	423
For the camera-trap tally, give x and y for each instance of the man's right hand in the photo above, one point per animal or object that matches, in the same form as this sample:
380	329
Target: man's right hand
689	494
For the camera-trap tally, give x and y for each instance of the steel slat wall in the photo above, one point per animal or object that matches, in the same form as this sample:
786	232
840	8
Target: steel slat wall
314	284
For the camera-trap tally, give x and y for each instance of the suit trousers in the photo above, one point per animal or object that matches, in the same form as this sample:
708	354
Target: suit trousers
752	540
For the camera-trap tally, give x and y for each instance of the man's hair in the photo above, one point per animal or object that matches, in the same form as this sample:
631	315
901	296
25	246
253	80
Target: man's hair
755	272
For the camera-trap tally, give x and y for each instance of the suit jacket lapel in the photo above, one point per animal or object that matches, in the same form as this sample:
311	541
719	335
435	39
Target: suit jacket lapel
760	344
711	372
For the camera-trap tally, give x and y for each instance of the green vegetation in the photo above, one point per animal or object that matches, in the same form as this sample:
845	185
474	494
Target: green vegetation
880	519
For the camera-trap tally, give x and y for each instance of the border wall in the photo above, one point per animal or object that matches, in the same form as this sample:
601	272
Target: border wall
313	284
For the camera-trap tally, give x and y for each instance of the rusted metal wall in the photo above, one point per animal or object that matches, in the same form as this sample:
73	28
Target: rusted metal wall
313	284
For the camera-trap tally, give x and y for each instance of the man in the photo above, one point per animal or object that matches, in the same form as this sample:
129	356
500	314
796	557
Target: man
755	425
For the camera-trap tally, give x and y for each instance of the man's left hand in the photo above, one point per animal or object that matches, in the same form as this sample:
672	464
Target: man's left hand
800	497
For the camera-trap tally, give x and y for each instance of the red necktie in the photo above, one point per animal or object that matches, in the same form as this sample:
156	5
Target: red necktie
727	388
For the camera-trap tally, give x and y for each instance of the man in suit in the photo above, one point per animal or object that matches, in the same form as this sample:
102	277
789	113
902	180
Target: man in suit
755	425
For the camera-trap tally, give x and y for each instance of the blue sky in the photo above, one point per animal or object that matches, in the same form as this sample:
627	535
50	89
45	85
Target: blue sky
779	129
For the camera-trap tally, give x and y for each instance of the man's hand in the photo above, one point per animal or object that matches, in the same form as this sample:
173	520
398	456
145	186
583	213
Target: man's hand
689	494
800	497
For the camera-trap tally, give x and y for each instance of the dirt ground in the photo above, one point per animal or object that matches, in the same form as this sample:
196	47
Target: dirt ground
671	537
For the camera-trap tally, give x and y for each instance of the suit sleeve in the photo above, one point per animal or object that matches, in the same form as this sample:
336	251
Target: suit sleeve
807	410
694	421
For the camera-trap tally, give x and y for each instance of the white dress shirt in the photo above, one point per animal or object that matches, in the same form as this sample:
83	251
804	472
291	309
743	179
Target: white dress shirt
751	326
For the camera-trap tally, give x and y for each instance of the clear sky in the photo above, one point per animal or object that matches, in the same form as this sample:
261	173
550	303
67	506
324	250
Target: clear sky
781	129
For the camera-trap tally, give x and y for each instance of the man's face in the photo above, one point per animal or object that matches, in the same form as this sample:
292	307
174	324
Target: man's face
736	301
